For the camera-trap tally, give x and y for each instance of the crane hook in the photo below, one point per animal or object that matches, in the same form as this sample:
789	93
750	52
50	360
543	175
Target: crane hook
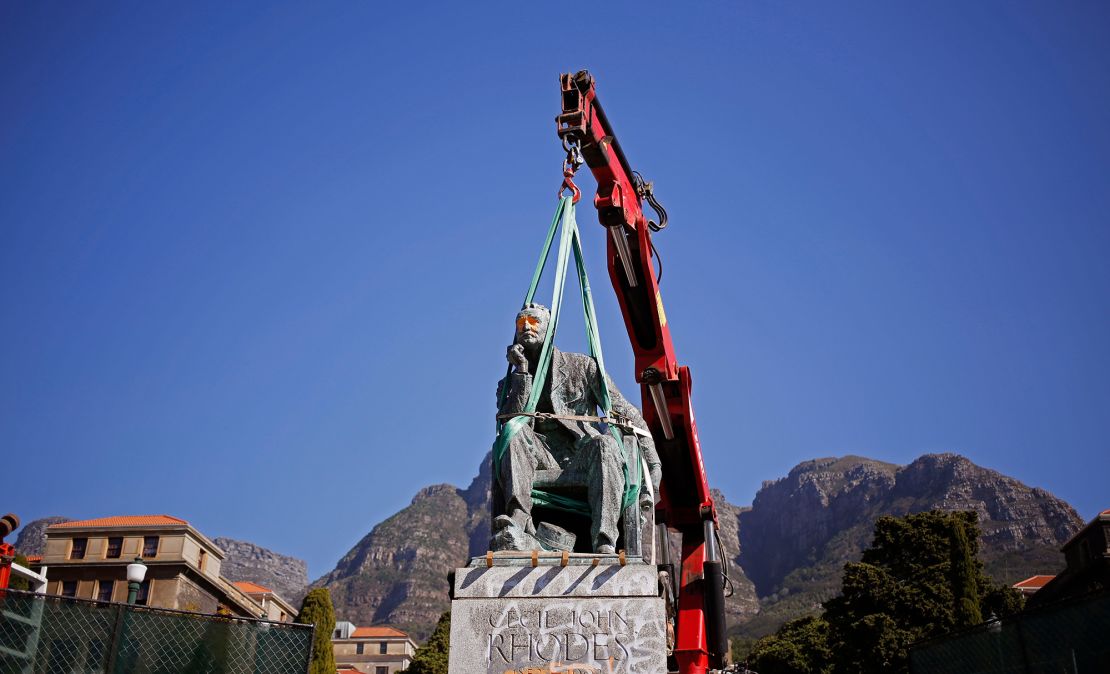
568	184
570	165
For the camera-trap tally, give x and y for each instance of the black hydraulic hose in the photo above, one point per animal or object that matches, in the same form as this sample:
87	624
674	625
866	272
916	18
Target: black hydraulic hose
713	598
714	593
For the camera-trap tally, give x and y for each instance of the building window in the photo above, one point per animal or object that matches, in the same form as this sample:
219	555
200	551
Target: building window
202	560
150	546
360	649
382	648
115	548
104	590
381	670
338	634
282	618
69	588
77	548
144	593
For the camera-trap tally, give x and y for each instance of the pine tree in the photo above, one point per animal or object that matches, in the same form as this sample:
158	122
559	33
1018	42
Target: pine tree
431	658
964	570
317	610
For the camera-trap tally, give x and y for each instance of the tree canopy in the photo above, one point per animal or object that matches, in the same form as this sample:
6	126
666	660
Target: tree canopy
431	658
317	610
921	577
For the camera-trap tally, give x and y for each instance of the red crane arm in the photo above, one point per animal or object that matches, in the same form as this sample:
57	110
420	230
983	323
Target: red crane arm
685	500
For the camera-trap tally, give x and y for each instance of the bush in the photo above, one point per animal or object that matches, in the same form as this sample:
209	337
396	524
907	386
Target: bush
317	610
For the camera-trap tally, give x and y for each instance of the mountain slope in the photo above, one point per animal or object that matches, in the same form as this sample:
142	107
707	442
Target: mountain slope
803	528
785	552
32	537
397	574
287	576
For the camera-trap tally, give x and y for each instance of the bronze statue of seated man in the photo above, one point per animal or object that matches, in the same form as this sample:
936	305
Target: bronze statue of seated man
575	452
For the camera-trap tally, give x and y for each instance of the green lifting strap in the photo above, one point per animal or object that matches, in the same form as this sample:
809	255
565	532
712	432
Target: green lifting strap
569	242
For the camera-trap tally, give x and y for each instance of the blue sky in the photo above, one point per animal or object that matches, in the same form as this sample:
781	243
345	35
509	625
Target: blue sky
260	262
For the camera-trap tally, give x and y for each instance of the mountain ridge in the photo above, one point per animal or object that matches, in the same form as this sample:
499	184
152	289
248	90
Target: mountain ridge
786	550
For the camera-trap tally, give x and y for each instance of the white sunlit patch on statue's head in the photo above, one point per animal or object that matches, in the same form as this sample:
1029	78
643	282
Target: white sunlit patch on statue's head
531	324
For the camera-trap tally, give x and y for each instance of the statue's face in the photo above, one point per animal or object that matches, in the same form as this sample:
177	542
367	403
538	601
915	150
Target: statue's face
531	328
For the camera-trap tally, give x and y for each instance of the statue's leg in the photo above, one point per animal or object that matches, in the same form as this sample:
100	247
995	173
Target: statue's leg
526	453
606	489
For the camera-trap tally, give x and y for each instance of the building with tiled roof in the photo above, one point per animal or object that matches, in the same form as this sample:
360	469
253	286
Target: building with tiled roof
273	606
374	650
1031	584
88	559
377	633
124	521
1087	556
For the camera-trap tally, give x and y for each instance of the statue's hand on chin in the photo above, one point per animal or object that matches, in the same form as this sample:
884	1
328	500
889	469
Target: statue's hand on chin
517	359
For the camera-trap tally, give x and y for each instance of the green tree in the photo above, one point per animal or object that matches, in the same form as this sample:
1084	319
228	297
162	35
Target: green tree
964	570
317	610
920	578
799	647
431	658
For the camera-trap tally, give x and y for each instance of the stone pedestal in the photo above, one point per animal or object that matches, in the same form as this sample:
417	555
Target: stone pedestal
554	618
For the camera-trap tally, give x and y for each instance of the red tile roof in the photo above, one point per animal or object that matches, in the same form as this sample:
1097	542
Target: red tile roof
32	559
1033	582
122	521
252	588
363	632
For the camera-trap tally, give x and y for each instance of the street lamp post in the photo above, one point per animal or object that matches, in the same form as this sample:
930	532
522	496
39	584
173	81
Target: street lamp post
136	573
994	627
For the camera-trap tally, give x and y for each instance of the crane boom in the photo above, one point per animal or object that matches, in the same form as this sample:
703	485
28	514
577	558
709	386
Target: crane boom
685	503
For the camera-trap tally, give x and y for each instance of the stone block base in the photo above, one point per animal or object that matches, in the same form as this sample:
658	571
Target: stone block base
605	619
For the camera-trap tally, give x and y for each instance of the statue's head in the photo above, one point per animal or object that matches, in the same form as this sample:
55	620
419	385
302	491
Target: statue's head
531	325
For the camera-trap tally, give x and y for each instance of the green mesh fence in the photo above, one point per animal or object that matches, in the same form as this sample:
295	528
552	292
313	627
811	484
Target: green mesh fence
43	634
1067	638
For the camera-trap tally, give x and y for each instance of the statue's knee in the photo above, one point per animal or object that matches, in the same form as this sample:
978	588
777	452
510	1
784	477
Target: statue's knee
608	448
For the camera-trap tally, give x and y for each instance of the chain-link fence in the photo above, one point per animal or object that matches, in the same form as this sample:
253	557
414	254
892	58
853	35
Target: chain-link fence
43	634
1070	637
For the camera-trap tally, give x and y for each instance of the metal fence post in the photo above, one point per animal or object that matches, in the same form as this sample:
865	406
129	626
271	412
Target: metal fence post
117	636
311	646
1021	641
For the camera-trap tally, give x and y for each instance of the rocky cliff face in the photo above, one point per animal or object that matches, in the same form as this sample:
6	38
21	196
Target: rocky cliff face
744	603
32	537
785	553
793	519
397	574
287	576
801	529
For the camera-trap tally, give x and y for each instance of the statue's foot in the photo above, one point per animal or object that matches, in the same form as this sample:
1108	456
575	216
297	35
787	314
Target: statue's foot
502	521
510	536
523	520
605	549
